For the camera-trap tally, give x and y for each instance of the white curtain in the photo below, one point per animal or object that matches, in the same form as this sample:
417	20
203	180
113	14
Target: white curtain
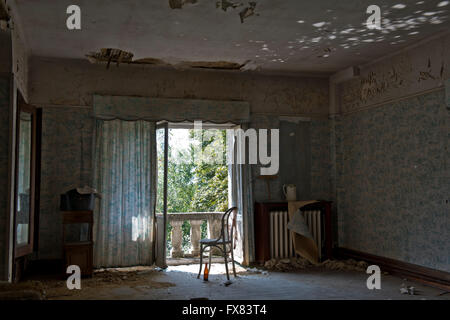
125	175
241	196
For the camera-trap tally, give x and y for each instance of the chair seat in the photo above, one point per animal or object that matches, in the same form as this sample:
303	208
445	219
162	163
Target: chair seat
213	241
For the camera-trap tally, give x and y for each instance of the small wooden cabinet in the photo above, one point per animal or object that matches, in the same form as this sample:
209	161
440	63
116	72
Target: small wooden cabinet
79	252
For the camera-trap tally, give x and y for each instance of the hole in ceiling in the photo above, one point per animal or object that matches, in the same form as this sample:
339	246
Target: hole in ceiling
109	55
117	56
178	4
223	65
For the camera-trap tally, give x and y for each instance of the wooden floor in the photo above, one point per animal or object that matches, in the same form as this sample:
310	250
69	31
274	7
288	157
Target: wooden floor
305	284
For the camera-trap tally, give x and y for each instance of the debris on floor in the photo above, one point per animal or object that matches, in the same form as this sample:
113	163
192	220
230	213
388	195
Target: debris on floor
29	290
225	4
404	289
301	263
159	269
227	283
178	4
348	265
248	11
103	278
287	264
256	270
21	295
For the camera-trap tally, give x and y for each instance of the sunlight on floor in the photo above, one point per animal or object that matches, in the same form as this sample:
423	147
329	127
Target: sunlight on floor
216	268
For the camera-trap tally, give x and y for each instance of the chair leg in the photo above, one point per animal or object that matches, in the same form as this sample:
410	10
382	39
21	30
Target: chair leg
201	261
210	258
232	261
226	261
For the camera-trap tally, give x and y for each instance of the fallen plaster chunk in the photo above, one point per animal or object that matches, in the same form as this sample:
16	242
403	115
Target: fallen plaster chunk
256	270
349	265
227	283
178	4
301	263
248	11
225	4
286	264
408	290
158	269
250	66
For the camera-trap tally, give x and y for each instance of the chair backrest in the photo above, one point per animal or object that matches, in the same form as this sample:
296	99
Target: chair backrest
226	234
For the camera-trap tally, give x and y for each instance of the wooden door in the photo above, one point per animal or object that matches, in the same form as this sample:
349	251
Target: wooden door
26	192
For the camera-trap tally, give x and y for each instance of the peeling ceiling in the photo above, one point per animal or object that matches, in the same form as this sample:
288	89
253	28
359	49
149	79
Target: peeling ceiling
284	35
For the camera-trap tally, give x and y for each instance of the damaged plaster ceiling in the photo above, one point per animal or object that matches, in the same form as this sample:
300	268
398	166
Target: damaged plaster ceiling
283	36
118	56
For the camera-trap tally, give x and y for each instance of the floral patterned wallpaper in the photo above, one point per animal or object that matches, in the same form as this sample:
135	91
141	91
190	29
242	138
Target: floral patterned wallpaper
67	163
392	180
318	184
320	131
67	136
390	175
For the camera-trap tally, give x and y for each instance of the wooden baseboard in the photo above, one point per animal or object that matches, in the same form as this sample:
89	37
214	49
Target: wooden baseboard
432	277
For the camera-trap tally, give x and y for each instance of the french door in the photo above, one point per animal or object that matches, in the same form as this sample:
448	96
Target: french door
26	190
162	140
235	193
237	188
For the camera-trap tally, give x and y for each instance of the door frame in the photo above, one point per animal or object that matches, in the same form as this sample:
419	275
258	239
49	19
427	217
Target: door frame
161	254
245	254
23	250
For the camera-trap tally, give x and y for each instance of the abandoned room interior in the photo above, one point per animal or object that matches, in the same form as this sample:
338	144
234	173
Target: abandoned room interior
226	149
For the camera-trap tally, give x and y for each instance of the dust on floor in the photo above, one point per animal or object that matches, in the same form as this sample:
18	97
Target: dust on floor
141	278
134	277
299	263
293	279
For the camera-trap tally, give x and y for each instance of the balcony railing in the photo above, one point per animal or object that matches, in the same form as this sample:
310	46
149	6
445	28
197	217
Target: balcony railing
195	219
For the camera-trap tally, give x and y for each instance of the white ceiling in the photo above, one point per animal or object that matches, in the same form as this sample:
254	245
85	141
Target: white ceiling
285	36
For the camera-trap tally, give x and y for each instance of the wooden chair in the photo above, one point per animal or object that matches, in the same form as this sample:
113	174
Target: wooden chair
225	238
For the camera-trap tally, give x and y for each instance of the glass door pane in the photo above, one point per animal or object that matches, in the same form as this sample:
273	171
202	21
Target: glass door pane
24	179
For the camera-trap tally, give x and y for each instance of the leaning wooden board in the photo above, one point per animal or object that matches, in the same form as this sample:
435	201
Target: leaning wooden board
303	246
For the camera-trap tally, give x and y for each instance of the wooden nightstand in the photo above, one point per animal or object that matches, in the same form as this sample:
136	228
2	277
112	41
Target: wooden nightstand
79	253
